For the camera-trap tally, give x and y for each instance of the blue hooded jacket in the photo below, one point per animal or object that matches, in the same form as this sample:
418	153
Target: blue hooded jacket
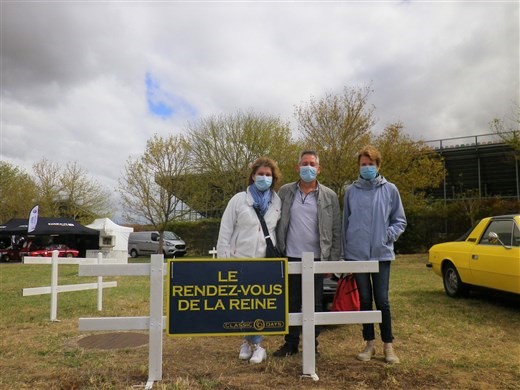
373	219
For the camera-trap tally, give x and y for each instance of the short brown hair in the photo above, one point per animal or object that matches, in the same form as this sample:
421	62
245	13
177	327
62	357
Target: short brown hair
265	162
310	152
372	153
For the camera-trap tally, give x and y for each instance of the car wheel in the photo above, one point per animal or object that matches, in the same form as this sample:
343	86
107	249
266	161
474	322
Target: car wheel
452	282
134	253
5	258
69	255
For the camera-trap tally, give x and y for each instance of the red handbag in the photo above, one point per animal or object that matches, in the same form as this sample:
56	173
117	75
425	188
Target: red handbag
346	297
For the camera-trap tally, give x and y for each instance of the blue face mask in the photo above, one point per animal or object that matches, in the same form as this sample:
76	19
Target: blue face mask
308	173
263	182
368	172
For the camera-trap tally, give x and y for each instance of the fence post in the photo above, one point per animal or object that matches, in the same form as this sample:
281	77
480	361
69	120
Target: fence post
100	284
308	323
54	286
156	319
155	323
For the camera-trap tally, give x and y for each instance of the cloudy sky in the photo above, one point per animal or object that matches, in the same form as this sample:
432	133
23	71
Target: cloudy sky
92	81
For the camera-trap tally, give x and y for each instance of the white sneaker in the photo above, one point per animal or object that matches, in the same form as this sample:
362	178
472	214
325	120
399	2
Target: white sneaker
259	354
245	351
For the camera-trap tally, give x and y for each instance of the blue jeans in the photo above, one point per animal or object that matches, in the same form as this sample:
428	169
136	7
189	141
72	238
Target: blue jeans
254	339
295	303
376	285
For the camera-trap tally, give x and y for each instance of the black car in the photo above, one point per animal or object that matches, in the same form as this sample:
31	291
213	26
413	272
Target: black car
330	282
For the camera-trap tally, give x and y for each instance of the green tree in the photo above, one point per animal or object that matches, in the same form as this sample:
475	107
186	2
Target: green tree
150	182
411	165
17	192
222	149
336	126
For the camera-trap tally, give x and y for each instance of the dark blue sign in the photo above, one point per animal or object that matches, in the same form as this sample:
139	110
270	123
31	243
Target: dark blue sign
227	297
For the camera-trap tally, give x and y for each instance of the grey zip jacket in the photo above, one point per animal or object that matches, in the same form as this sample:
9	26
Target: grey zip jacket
373	219
329	220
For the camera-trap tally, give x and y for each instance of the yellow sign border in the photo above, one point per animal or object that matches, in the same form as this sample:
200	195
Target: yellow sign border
228	260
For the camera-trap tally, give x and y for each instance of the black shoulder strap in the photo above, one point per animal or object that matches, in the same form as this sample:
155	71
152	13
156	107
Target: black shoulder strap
262	222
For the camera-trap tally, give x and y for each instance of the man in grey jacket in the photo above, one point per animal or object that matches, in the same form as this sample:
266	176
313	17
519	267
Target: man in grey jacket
310	222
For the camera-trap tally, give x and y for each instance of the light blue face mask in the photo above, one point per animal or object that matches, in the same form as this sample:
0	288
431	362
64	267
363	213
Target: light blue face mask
368	172
308	173
263	182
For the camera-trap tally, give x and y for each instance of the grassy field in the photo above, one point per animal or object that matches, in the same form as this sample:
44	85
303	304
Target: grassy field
443	343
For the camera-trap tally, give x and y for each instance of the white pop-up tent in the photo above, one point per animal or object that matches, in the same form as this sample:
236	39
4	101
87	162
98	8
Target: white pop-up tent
113	239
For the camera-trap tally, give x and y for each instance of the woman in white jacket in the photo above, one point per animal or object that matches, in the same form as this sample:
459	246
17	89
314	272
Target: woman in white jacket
241	233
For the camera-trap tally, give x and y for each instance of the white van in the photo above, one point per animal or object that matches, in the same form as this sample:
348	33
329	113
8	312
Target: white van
147	243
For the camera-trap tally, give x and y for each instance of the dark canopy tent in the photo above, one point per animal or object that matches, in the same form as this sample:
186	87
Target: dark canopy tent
47	226
67	230
14	226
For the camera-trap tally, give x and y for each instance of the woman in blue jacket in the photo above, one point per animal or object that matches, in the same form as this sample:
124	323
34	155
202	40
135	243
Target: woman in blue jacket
373	219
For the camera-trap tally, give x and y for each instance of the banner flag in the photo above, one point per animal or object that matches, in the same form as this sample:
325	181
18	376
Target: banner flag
33	219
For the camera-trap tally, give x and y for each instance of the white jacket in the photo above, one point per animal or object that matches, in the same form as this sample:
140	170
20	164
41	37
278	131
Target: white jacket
241	233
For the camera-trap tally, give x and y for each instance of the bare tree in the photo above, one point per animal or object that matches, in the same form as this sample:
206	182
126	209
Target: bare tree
510	135
69	192
337	125
48	179
150	182
470	203
82	198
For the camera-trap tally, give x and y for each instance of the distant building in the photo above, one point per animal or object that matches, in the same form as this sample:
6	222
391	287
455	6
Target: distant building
482	165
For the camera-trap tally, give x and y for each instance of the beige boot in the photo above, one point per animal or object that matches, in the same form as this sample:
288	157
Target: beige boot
390	356
367	353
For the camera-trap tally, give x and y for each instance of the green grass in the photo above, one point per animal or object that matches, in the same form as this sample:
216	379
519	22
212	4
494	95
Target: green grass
444	343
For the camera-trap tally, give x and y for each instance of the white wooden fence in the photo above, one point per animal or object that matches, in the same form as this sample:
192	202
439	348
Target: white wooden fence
155	323
55	288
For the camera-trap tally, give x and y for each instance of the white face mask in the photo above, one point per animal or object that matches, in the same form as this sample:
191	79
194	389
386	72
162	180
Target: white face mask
368	172
263	182
308	173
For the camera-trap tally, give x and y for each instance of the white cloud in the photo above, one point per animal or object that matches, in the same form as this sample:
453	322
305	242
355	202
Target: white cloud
73	74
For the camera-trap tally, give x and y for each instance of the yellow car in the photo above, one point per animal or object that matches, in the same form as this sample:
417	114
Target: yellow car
489	256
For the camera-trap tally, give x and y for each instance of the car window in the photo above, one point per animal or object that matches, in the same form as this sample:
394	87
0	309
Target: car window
516	235
170	236
504	230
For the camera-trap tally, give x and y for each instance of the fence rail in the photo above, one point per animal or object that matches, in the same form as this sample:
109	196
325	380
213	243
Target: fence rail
55	288
155	323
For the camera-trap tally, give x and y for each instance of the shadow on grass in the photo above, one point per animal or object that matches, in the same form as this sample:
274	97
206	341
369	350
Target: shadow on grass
477	295
497	298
